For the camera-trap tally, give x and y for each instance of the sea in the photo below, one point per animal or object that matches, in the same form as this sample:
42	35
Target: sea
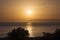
35	29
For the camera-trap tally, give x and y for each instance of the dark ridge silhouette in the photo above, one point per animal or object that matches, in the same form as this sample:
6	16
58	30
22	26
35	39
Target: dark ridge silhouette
22	34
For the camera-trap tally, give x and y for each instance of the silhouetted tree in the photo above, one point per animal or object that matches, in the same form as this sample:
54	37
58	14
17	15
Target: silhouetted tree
18	34
54	36
57	34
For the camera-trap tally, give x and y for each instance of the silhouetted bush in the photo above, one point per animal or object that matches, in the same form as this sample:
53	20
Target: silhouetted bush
18	34
54	36
57	34
22	34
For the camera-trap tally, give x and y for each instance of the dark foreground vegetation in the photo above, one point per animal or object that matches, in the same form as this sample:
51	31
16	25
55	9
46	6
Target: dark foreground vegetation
22	34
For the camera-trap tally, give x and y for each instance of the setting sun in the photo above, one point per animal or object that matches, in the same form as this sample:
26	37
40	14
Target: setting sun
29	12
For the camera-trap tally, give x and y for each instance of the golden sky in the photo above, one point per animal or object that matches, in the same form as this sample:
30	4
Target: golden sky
16	10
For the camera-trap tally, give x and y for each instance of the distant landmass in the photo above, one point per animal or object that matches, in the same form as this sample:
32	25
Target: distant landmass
33	22
51	20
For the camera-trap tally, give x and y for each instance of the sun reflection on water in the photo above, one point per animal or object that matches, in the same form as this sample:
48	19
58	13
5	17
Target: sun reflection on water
29	28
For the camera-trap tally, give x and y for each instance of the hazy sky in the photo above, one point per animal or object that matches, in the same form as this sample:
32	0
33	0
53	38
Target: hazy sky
15	10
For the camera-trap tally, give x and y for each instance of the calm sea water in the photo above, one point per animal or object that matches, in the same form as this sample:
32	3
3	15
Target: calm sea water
35	31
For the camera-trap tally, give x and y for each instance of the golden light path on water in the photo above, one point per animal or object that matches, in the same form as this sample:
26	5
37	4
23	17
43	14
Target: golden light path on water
29	28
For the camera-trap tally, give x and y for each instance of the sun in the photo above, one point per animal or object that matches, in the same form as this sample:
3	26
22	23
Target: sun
29	12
